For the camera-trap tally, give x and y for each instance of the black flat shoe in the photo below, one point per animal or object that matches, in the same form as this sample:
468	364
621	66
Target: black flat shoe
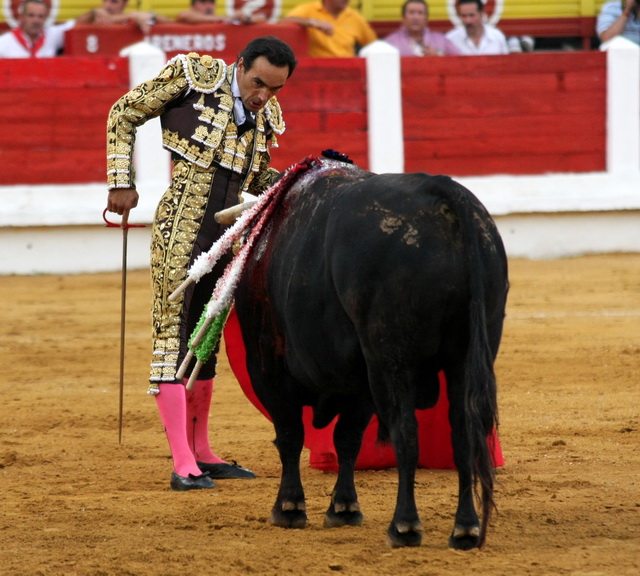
225	470
191	482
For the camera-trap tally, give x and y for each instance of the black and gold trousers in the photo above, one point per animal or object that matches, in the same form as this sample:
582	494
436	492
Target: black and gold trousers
183	228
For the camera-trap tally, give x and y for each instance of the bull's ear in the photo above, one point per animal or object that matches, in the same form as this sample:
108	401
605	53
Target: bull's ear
335	155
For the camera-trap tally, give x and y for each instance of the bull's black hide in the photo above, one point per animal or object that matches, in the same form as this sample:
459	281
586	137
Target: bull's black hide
362	290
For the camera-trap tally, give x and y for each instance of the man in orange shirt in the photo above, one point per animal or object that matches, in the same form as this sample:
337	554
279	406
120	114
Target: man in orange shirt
333	28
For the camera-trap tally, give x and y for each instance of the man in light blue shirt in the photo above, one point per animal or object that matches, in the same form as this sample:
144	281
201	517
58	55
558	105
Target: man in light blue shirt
619	18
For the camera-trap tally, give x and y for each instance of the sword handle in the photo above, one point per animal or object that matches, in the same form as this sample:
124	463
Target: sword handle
110	224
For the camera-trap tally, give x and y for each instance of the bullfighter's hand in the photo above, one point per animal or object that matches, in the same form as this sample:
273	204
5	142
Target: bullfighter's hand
121	200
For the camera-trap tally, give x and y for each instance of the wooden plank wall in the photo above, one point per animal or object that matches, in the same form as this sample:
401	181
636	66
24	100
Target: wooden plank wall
517	114
53	115
521	114
325	106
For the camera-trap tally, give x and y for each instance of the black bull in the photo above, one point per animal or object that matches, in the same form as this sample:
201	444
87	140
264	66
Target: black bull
364	287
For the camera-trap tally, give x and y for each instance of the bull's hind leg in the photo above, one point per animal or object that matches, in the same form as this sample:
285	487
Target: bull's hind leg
466	530
405	528
289	510
344	508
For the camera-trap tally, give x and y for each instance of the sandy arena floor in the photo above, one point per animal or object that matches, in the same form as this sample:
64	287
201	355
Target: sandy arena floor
76	502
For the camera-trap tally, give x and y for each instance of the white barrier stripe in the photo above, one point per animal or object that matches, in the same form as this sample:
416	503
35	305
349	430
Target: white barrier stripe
561	315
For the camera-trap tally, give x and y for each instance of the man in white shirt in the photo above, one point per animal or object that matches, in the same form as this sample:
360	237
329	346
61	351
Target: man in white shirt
32	38
474	37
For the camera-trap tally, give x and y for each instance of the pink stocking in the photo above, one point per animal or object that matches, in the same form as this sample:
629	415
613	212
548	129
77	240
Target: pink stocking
172	405
198	405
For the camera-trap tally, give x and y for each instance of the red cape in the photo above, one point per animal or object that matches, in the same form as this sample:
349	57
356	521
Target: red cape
434	430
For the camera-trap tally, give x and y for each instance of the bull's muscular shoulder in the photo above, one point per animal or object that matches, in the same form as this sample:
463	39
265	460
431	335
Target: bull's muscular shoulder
203	73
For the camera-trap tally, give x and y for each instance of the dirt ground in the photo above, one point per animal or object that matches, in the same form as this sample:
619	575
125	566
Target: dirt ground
74	501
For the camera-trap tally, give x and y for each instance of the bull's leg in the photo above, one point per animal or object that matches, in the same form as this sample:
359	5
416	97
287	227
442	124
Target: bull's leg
405	528
289	510
466	530
344	508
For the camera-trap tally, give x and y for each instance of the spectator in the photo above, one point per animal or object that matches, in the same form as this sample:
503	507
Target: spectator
475	37
33	38
204	12
115	12
619	18
414	37
333	28
201	12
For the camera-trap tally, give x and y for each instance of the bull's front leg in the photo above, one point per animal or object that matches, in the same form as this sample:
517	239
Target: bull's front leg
289	510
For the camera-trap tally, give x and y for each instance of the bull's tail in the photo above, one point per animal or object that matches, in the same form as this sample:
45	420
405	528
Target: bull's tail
480	391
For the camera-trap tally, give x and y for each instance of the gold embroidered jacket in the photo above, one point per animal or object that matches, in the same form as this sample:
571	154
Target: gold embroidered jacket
192	95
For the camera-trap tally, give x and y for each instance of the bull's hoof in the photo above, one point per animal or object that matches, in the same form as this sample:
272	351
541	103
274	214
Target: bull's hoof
289	515
399	535
465	537
340	515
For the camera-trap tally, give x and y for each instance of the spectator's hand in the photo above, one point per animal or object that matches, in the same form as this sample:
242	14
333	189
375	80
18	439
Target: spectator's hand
431	51
242	18
630	5
143	20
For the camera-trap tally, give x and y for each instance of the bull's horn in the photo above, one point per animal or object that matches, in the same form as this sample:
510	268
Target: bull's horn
230	215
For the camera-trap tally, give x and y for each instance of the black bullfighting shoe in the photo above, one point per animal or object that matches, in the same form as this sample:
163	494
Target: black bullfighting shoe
191	482
224	470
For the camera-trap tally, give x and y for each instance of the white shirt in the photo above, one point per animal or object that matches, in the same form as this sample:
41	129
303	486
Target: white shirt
492	42
238	106
52	42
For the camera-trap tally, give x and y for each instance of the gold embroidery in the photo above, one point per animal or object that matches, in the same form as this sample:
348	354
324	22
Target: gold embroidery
180	211
176	225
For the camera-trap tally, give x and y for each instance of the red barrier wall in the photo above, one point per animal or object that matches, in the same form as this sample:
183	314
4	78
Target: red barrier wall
517	114
220	40
53	114
325	106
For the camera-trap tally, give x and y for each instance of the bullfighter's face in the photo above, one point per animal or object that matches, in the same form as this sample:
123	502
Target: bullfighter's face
260	82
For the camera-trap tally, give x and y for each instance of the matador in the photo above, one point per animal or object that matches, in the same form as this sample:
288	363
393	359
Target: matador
218	122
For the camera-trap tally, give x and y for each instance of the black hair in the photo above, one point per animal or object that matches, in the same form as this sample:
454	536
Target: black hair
478	3
277	52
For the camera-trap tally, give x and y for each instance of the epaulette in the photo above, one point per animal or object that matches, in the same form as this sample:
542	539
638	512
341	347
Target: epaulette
203	73
273	112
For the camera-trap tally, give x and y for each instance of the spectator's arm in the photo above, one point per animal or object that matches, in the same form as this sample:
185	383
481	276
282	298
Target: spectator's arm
193	17
616	27
321	25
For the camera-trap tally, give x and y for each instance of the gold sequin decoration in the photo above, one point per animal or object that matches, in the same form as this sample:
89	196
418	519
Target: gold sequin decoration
176	225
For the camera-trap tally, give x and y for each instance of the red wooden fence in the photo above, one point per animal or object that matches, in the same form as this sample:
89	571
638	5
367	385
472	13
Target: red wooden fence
517	114
53	114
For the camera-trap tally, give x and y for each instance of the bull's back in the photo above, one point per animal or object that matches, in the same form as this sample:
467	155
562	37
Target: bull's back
360	264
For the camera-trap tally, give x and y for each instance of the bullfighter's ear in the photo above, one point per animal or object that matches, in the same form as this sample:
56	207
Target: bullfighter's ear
335	155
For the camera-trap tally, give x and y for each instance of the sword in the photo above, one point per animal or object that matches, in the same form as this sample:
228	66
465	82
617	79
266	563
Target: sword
123	307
